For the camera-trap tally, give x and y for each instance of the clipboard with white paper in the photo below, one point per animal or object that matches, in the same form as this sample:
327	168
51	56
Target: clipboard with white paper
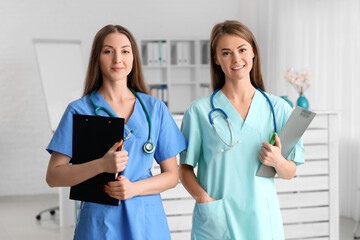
292	131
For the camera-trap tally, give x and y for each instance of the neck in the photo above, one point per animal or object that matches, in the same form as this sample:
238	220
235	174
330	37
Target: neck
115	91
238	90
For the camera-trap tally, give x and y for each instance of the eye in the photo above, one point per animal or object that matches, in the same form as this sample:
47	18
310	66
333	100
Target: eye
243	50
107	51
226	53
126	51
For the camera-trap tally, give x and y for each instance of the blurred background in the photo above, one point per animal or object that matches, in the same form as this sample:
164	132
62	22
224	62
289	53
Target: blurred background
322	36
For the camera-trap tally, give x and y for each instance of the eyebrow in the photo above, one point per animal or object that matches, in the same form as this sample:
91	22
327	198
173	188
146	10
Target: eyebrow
113	47
228	49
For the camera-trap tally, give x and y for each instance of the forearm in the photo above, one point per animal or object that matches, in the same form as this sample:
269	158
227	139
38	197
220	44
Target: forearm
65	175
191	184
286	169
156	184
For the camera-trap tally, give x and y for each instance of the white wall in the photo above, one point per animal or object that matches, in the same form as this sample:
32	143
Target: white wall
24	123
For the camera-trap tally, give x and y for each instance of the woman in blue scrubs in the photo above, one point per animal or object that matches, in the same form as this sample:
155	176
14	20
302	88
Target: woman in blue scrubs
114	68
231	201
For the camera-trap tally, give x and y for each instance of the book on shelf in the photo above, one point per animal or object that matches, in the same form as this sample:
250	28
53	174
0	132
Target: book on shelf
181	54
154	53
160	92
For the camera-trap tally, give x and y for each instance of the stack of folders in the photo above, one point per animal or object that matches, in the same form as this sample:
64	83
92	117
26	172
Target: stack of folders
181	53
160	92
154	53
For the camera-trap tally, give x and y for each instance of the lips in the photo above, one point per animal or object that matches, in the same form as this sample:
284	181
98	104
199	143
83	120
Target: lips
238	67
116	69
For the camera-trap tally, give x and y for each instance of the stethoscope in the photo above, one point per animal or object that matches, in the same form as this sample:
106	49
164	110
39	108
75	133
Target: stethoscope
148	147
232	144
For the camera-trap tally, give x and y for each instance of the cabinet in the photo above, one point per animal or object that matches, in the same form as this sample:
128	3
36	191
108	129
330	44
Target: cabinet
176	71
309	202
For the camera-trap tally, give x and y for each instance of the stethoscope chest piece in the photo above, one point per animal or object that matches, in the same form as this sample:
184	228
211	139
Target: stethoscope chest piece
149	147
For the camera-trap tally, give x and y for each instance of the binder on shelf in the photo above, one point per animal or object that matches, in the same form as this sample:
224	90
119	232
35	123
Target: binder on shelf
205	52
148	54
163	51
185	53
173	54
93	136
155	53
144	54
160	92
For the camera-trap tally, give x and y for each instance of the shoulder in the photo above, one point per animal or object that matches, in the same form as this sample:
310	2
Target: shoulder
200	106
280	105
148	98
282	110
150	101
80	105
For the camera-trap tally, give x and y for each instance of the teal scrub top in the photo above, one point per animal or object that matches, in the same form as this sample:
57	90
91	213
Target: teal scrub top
247	206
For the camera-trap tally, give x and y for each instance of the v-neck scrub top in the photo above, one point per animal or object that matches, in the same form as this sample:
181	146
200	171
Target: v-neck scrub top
141	217
246	205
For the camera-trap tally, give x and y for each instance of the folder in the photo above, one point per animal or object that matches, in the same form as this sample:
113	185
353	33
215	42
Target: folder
93	136
292	131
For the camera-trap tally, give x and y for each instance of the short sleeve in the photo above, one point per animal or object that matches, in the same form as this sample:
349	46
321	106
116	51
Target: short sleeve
62	139
297	153
170	141
191	129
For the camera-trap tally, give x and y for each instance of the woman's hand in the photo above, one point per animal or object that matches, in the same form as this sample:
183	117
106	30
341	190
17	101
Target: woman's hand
115	161
271	155
121	189
205	199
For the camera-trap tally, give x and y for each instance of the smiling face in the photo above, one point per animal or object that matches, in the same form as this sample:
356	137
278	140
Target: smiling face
235	57
116	57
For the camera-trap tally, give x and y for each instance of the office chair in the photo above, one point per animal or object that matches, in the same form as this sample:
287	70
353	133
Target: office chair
51	210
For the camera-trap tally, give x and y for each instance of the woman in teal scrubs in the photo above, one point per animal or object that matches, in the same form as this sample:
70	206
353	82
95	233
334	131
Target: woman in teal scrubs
114	68
231	201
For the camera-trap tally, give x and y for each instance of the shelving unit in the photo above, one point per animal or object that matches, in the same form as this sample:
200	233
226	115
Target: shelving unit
178	66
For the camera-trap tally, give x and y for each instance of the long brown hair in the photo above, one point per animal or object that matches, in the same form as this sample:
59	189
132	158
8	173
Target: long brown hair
135	79
238	29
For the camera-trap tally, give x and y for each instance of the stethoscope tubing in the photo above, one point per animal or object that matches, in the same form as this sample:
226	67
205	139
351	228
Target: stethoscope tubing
214	109
149	147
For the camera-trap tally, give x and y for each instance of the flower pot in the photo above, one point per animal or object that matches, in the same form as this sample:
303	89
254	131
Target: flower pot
302	102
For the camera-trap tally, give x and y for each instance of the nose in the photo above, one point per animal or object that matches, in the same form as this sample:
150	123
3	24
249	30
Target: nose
236	57
117	58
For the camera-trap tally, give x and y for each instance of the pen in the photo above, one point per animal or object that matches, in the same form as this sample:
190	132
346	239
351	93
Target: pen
119	149
272	140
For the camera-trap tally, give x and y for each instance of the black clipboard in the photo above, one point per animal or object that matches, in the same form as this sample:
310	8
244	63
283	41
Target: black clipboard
93	136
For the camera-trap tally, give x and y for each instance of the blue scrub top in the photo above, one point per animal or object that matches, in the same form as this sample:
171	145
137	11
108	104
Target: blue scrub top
247	206
141	217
